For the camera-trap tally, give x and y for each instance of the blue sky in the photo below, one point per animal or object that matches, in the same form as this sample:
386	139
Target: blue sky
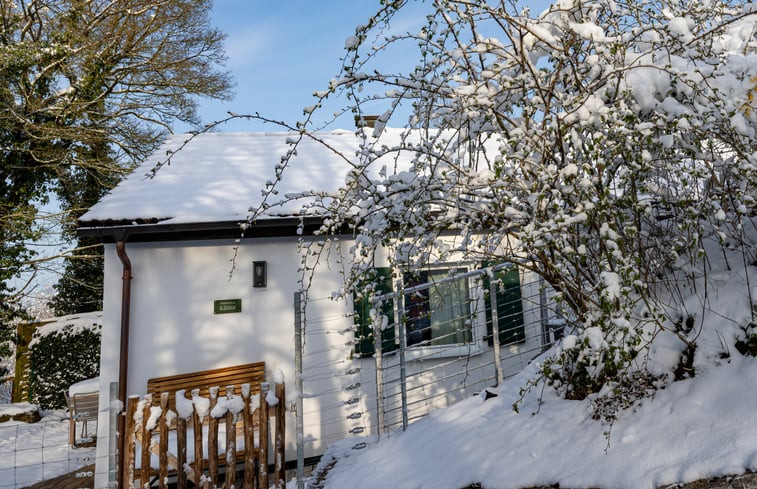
280	52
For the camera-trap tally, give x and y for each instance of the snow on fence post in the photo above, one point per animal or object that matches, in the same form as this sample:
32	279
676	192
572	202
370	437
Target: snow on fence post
279	445
263	436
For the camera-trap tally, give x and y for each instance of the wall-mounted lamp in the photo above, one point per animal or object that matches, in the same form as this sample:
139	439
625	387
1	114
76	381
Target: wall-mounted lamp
259	273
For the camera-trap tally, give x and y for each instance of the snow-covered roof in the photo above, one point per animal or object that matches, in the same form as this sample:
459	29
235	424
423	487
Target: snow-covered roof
217	177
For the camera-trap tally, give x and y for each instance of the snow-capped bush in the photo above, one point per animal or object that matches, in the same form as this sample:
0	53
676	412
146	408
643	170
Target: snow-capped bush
599	145
63	353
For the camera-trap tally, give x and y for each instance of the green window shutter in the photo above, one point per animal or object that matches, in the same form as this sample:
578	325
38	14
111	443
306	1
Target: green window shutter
509	307
362	309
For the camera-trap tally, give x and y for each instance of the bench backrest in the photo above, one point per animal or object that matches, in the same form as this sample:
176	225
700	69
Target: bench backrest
250	373
84	406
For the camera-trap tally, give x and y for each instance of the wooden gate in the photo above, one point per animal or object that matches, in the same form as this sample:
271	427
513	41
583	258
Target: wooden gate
206	442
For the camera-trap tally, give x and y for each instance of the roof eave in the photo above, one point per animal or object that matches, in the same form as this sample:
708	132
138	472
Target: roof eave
264	228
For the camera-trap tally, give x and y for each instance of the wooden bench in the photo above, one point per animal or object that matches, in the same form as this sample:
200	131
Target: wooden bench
252	374
249	373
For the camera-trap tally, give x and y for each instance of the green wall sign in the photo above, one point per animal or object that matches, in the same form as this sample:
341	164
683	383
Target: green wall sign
226	306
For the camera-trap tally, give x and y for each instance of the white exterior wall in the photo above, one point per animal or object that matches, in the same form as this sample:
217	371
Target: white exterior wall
173	330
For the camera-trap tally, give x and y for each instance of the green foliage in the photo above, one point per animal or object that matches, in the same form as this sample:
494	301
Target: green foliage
624	395
57	360
15	231
5	349
586	367
80	287
86	90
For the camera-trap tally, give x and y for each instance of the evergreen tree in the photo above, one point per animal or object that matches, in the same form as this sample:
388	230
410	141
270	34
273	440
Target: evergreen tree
87	89
79	289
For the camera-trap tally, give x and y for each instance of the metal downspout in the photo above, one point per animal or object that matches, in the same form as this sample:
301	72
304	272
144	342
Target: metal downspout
123	355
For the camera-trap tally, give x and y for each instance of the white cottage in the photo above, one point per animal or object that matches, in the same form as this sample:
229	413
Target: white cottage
181	293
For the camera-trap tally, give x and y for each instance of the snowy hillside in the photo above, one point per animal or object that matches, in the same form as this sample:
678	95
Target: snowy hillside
699	427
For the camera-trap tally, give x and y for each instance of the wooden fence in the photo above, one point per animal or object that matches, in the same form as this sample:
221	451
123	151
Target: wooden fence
156	441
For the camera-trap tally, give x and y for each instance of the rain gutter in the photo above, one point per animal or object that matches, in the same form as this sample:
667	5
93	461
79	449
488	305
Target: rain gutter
123	367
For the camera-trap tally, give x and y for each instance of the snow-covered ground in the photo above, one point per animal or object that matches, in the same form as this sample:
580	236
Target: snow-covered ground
691	429
32	452
17	408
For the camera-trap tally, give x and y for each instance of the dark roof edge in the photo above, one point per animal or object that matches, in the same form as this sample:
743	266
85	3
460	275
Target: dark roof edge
266	228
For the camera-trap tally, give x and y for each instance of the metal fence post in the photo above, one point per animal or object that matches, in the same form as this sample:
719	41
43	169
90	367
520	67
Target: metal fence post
378	359
543	313
299	426
398	312
113	415
495	329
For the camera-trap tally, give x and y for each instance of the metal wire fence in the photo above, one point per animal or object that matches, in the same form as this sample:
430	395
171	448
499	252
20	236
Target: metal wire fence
34	452
456	334
336	384
421	343
6	391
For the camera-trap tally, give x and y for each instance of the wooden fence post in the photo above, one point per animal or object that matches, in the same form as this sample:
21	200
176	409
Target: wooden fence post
213	439
160	446
163	447
263	437
231	441
144	477
128	443
279	453
197	431
181	448
249	439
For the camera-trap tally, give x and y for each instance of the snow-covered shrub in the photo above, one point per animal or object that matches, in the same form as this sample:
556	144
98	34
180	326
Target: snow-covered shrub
599	145
62	353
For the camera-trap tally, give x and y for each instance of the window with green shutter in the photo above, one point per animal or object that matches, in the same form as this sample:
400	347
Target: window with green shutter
438	315
509	306
362	309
